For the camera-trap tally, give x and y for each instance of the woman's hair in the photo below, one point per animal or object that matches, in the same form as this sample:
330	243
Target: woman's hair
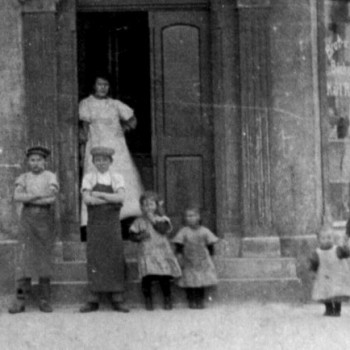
110	157
151	195
102	75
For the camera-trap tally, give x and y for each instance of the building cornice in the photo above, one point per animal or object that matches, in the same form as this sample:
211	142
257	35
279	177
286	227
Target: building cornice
253	3
29	6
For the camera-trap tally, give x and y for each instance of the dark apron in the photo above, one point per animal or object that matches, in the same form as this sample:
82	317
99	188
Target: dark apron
37	238
105	256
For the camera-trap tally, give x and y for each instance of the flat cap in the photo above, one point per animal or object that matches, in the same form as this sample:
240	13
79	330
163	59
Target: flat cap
40	150
102	151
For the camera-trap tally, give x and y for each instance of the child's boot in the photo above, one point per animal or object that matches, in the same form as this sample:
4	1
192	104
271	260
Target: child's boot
336	309
168	302
146	285
329	309
190	298
44	294
22	293
89	307
166	290
147	295
148	303
92	304
118	303
200	298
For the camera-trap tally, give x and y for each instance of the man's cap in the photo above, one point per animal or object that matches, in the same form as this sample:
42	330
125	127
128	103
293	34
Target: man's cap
40	150
102	151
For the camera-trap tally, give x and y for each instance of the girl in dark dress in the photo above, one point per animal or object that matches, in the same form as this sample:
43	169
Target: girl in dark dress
156	260
103	193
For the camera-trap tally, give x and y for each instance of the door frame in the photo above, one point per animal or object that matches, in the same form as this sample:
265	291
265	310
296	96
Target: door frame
140	5
225	92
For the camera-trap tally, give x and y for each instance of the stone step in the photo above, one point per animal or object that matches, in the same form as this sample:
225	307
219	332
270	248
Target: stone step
275	290
255	268
58	251
76	251
235	268
228	247
255	247
71	271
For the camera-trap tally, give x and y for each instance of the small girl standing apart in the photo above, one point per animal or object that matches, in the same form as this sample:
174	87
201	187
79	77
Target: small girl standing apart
332	283
156	260
194	247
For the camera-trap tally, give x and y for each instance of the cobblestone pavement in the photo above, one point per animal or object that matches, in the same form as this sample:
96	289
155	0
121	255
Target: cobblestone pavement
231	326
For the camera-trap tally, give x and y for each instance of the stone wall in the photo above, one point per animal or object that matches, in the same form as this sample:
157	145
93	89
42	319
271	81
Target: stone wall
295	142
12	133
295	125
294	135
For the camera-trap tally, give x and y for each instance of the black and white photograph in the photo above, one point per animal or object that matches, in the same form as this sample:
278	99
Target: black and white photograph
174	174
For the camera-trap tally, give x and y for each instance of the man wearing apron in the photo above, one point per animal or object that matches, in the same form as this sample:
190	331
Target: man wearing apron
104	193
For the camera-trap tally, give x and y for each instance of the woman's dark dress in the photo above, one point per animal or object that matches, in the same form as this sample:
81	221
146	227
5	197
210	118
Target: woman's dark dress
105	256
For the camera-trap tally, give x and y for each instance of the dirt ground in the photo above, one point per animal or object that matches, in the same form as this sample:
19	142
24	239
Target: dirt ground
230	326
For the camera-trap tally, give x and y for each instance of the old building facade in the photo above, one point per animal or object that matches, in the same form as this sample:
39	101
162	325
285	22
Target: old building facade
232	98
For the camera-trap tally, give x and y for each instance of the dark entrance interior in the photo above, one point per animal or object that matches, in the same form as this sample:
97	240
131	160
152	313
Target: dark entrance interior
118	44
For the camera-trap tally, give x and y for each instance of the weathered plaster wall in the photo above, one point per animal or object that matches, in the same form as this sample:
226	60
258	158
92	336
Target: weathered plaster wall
294	132
12	133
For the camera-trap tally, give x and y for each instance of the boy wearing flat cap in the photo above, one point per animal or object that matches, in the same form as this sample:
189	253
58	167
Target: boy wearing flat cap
37	191
104	193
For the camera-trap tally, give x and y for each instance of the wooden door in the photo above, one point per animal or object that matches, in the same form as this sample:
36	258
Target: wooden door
182	111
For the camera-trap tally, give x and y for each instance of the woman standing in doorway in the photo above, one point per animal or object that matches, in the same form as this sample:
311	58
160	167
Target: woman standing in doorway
104	121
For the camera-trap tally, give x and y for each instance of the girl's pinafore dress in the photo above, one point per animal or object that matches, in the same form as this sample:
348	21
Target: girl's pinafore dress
332	278
198	269
155	256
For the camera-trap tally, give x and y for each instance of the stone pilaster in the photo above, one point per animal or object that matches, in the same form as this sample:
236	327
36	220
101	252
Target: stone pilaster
255	101
259	238
33	6
226	99
40	75
49	37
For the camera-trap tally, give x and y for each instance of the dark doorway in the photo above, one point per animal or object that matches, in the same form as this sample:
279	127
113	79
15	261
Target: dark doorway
118	43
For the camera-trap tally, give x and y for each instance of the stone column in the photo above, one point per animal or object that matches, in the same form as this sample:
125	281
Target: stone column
40	75
40	78
50	61
259	238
